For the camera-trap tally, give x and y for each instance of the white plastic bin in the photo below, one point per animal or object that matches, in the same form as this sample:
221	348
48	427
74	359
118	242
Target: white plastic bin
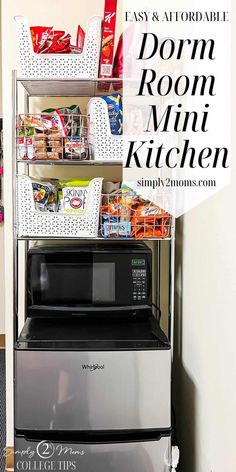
32	223
59	66
104	145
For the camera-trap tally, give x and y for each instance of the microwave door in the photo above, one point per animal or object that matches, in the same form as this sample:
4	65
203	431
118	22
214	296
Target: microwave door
61	283
104	283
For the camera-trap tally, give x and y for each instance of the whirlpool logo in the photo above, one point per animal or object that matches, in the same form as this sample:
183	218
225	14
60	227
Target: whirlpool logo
93	367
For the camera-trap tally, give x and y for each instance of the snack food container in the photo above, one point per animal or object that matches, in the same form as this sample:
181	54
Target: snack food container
37	140
32	223
103	144
108	35
59	66
121	216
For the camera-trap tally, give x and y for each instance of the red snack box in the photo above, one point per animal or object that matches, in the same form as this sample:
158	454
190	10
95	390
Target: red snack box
108	35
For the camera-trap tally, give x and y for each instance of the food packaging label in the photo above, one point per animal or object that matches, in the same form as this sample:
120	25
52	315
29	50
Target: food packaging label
108	35
115	113
74	148
74	199
30	148
22	147
112	227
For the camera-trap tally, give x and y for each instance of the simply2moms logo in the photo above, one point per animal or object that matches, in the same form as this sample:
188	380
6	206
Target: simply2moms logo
48	456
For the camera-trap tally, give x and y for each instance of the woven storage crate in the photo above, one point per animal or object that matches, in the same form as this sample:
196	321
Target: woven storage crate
104	145
59	66
39	224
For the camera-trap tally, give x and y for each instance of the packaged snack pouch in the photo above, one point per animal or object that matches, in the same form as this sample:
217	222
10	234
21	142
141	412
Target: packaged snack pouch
115	112
52	204
113	227
46	40
60	201
41	193
68	119
39	123
22	147
30	148
74	195
118	60
74	183
80	39
75	148
74	199
58	122
40	35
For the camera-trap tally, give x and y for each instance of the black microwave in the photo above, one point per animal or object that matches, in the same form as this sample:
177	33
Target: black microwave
87	279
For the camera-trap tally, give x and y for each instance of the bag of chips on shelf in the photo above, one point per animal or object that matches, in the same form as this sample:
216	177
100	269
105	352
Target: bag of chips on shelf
41	193
40	35
80	39
67	120
45	192
126	214
73	195
118	60
46	40
115	112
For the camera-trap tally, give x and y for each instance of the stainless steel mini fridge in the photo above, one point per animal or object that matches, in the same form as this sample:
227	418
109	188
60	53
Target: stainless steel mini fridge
94	395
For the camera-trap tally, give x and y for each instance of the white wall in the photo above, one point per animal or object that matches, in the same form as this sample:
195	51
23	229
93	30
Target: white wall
205	349
205	375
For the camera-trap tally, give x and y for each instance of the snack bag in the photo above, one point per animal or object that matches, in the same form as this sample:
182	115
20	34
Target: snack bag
60	201
30	148
80	39
67	118
52	203
118	60
40	35
75	148
40	123
58	44
73	196
22	147
115	112
41	192
59	123
112	227
48	41
74	183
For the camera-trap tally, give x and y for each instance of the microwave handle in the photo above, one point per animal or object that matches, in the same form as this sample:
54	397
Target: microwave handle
90	308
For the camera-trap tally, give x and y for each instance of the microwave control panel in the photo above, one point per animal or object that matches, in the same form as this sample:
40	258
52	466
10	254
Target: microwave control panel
139	277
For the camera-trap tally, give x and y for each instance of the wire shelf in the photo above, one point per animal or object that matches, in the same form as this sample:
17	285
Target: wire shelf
128	216
70	87
52	136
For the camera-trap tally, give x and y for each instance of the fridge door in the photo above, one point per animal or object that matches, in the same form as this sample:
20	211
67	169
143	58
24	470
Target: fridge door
88	390
149	456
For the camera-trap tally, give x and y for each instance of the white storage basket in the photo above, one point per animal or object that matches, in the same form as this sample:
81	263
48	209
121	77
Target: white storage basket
59	66
38	224
104	145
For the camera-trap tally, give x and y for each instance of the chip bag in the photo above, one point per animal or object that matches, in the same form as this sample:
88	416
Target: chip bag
41	193
115	112
73	195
